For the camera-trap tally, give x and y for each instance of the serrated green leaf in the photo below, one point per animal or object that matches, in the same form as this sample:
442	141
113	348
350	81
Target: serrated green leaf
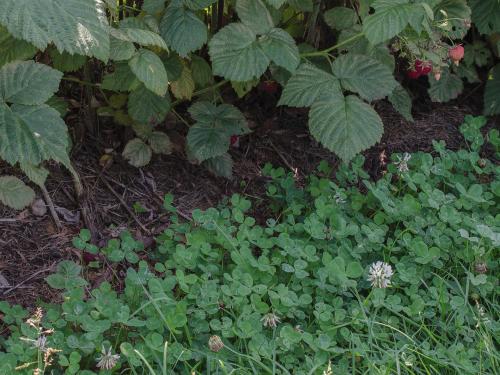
139	36
36	174
153	6
74	26
492	92
28	82
364	75
66	62
210	136
307	85
173	65
254	15
243	88
447	88
137	153
149	69
122	79
401	101
346	126
183	88
121	50
340	18
220	165
276	3
486	15
12	49
198	4
59	104
183	31
236	55
389	19
201	72
15	193
160	143
32	134
146	107
455	13
280	48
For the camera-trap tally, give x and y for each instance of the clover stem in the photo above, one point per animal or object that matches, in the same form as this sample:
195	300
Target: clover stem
334	47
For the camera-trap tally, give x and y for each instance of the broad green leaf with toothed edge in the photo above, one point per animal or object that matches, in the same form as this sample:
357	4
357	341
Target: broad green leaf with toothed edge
149	69
74	26
15	193
137	153
183	31
364	75
146	107
401	101
12	49
307	85
254	15
220	165
139	36
447	88
236	55
345	125
280	47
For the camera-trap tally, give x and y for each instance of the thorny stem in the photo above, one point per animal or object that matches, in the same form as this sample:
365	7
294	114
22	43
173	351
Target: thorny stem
325	52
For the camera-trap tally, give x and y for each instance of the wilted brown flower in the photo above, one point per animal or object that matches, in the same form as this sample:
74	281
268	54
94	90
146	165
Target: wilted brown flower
215	343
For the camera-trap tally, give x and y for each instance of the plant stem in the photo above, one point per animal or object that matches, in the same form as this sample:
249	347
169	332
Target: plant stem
325	52
84	83
201	92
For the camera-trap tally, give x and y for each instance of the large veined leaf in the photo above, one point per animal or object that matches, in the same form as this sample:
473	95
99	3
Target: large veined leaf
74	26
37	174
183	88
401	101
302	5
149	69
220	165
210	136
183	31
137	153
345	125
153	6
66	62
146	107
139	36
254	15
12	49
122	79
198	4
492	92
276	3
456	12
201	71
121	50
32	134
389	19
307	85
160	143
340	18
364	75
486	15
236	55
447	88
28	82
15	193
280	47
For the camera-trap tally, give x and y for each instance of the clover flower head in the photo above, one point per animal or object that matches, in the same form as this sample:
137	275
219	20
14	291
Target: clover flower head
402	163
107	360
328	370
339	199
215	344
380	274
270	320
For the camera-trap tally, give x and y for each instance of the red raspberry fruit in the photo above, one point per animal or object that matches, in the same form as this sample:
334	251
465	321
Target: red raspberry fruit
456	54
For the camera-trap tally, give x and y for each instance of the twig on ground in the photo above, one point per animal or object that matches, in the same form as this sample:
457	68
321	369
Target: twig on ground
124	204
18	285
294	170
52	209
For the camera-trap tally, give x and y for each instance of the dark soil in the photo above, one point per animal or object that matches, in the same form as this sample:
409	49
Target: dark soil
30	246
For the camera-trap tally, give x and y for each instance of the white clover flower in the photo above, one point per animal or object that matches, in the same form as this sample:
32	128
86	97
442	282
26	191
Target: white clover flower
403	163
107	360
270	320
328	370
380	274
41	343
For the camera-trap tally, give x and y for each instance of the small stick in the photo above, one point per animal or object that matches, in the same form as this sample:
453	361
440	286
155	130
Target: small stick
124	204
29	278
52	209
294	170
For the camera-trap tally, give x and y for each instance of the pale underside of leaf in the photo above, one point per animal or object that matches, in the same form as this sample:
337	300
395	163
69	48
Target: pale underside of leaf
183	88
74	26
346	126
15	193
160	143
137	153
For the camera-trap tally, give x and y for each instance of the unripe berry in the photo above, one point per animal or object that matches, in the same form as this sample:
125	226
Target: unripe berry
456	54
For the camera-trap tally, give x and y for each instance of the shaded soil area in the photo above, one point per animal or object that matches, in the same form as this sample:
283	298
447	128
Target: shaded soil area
30	245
